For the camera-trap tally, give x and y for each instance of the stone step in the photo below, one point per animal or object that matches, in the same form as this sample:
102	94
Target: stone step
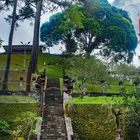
53	83
52	138
53	125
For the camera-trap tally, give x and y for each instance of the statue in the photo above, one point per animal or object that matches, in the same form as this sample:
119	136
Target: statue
118	114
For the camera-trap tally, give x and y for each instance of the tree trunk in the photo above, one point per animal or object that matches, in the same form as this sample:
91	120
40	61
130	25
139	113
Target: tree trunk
10	41
34	56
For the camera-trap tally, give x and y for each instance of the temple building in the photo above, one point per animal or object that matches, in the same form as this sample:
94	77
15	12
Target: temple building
21	49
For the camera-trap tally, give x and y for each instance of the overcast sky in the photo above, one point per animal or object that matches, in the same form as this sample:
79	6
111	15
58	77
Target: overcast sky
23	33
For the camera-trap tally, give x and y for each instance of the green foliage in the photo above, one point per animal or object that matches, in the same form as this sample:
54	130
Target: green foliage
96	25
23	124
71	45
75	15
58	29
12	117
26	12
118	37
95	72
132	117
85	36
47	34
88	68
117	29
87	112
92	122
125	71
4	128
74	19
11	111
20	126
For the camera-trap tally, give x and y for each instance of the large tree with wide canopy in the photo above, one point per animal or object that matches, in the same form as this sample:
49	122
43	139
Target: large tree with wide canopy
94	25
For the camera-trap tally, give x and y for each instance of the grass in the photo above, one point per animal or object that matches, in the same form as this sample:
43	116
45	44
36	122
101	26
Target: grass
17	99
102	100
61	85
53	65
107	88
54	71
96	100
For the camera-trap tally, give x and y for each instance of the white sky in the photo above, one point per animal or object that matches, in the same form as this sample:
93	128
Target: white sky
24	33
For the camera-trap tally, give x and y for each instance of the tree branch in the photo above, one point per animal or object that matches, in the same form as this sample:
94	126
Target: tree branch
64	3
29	2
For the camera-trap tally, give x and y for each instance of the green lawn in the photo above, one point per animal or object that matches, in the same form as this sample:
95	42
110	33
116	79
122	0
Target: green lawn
61	85
53	65
107	88
17	99
101	100
96	100
53	68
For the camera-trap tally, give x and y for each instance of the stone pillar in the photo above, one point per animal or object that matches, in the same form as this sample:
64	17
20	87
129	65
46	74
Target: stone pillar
121	87
73	86
34	83
21	84
75	137
119	135
103	86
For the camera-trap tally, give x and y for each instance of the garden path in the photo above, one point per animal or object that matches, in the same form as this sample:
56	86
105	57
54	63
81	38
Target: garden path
53	125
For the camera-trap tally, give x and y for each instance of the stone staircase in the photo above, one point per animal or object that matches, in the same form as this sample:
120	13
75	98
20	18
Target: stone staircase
53	125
